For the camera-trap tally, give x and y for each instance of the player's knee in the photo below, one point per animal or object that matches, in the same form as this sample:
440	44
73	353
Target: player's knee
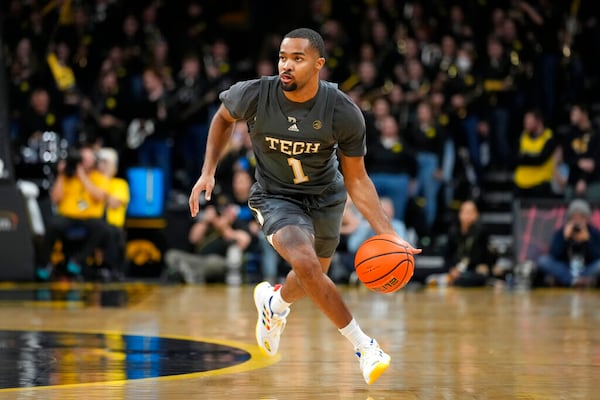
292	239
306	268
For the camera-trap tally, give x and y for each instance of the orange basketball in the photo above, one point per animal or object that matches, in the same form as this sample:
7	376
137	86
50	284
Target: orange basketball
383	264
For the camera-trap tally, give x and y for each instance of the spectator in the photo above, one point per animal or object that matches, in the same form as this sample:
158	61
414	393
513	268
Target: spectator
392	165
582	155
448	57
368	83
158	58
416	86
117	200
428	139
127	55
220	70
458	25
79	194
521	54
23	76
38	118
573	257
77	30
495	75
337	46
105	112
65	90
192	97
537	158
150	132
542	21
468	259
461	89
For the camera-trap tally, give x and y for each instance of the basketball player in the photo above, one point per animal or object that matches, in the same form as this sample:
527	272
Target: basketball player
300	127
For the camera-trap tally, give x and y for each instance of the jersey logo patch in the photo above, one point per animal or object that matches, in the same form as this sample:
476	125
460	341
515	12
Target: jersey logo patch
293	127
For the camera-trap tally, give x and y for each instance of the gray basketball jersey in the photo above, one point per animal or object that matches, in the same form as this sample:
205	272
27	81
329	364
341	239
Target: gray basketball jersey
294	143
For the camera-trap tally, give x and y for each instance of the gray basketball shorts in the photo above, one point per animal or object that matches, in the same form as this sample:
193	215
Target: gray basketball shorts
321	215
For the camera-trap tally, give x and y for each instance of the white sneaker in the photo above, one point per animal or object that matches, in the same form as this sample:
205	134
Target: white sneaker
373	361
269	325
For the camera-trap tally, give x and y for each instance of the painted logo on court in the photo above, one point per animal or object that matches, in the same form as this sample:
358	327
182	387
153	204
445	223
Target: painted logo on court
50	358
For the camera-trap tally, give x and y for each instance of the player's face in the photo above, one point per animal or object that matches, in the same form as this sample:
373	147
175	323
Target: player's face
298	63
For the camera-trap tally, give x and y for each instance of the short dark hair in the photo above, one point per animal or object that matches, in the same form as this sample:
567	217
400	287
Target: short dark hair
314	38
582	107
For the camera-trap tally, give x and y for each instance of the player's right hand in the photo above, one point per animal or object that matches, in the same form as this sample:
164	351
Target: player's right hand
203	184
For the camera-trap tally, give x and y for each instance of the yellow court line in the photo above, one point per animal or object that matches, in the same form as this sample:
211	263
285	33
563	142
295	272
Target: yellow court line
61	304
257	360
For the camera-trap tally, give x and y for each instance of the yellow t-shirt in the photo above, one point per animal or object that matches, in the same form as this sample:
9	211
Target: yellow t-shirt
118	188
527	176
77	201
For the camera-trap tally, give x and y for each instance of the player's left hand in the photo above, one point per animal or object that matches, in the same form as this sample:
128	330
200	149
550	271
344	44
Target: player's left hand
410	248
204	184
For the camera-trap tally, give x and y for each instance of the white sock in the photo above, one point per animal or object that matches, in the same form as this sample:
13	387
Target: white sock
354	334
278	305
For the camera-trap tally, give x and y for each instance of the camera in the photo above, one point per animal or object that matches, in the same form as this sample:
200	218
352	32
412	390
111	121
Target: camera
72	159
576	228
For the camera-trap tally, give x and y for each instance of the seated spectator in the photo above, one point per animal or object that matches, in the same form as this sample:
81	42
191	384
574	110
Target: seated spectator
468	259
537	158
364	231
581	150
221	237
355	230
117	200
573	258
79	194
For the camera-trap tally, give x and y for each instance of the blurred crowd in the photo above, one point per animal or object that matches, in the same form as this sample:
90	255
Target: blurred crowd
449	89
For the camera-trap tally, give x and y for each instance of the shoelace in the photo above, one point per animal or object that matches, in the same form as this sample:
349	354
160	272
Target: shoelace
277	320
369	356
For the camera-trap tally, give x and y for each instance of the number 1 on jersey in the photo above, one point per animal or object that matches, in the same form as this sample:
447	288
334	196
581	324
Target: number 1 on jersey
299	176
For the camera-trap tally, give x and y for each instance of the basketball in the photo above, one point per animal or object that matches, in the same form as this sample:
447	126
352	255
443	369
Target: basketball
383	264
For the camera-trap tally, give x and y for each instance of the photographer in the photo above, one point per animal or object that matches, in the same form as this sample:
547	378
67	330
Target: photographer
78	195
574	253
221	239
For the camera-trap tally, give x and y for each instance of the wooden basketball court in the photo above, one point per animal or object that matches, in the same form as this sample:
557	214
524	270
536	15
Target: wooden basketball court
146	341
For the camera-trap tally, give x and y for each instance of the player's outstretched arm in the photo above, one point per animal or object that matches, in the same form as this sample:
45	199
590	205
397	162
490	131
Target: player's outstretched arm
365	198
219	134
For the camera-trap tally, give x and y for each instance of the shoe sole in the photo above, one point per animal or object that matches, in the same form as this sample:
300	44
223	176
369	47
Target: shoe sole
378	370
262	346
